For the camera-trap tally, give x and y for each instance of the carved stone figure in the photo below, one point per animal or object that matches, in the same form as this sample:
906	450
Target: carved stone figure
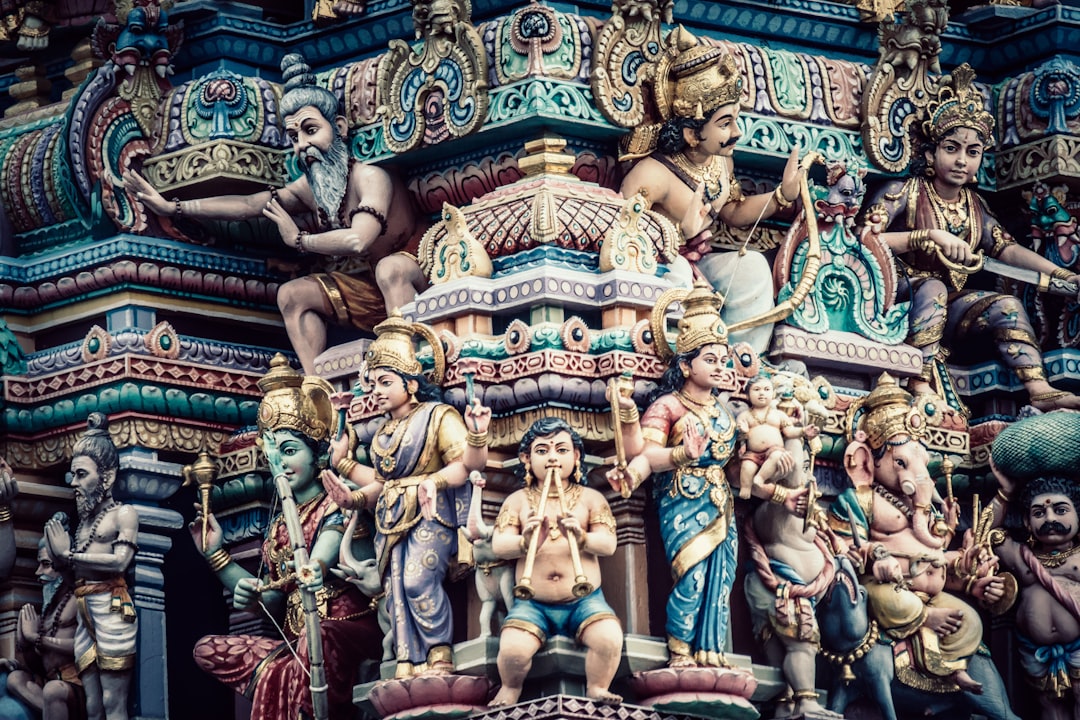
365	220
687	172
494	575
1048	571
422	455
939	229
296	419
793	559
104	547
763	431
49	681
686	437
9	488
556	528
907	569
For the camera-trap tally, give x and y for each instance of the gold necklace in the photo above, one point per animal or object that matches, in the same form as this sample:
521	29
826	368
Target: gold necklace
573	494
394	429
951	216
1056	558
709	408
712	173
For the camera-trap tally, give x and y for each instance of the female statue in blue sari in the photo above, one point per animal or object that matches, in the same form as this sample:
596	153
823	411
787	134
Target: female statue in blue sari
686	438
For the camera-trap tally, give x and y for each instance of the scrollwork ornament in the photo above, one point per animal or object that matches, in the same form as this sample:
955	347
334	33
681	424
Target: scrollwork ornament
900	87
626	46
437	90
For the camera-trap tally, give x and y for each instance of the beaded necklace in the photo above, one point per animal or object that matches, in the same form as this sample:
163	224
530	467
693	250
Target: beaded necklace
57	607
94	527
894	501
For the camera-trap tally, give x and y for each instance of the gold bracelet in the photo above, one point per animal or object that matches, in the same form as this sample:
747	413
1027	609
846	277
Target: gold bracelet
475	439
956	567
1062	273
970	584
920	240
523	546
629	415
781	201
779	495
359	499
439	479
5	513
345	467
218	559
925	507
681	458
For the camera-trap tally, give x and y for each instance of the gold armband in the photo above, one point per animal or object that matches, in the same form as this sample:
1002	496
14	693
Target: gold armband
474	439
218	559
5	513
1000	495
779	495
1062	273
605	518
681	458
781	201
920	240
345	467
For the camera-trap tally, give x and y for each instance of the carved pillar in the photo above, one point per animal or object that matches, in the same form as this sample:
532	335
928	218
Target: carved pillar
147	481
626	572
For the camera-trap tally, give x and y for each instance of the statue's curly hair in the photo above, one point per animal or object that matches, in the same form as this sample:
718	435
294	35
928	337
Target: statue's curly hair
1048	486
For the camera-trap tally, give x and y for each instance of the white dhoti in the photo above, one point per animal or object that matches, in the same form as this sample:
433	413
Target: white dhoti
107	627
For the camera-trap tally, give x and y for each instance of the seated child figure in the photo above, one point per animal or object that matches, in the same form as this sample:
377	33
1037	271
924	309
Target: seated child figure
572	513
763	429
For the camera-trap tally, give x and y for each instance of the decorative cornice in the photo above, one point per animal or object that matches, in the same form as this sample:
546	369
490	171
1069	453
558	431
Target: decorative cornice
1049	159
240	163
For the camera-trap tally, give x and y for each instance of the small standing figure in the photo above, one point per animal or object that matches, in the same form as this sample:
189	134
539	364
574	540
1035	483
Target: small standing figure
763	429
8	490
105	546
556	528
296	418
494	576
1048	572
47	642
422	456
687	437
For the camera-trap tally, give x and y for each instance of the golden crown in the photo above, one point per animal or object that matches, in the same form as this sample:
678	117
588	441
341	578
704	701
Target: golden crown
699	78
958	104
889	411
700	324
393	348
295	402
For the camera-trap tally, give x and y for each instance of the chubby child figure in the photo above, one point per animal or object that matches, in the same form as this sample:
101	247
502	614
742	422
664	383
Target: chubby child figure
572	514
763	429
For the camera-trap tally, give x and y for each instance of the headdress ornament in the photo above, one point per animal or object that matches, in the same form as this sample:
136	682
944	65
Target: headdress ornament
700	324
393	348
889	411
958	104
690	80
295	402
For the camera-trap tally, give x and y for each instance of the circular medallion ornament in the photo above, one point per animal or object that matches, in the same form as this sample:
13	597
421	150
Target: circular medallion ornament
96	345
535	25
517	339
575	335
163	341
641	338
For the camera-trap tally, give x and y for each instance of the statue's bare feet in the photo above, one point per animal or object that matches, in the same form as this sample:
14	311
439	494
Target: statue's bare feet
33	34
943	621
679	661
439	667
785	708
967	683
604	696
1055	400
810	707
505	696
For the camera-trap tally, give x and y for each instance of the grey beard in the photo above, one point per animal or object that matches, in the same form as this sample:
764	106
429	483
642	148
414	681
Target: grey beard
48	590
329	178
85	504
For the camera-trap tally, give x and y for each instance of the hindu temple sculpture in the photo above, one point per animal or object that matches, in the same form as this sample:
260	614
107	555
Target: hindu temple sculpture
686	171
1048	611
685	438
104	546
9	488
364	221
47	679
940	230
334	627
902	530
556	528
418	486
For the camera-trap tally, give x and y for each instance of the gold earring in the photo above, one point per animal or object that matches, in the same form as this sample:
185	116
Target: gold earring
930	172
